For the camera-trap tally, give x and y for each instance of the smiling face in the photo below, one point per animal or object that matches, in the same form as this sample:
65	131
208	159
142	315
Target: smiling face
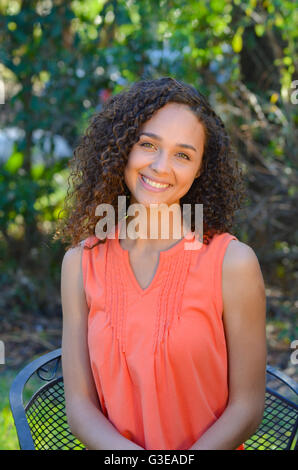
169	153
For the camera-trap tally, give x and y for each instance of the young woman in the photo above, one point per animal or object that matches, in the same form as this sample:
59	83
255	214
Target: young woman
164	347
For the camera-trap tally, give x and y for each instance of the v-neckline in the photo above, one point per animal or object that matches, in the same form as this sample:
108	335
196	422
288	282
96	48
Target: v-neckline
163	256
133	278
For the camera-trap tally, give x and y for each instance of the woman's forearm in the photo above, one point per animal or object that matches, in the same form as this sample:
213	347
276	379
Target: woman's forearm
236	424
89	425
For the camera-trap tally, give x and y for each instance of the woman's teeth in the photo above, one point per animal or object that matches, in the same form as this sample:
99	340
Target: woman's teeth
152	183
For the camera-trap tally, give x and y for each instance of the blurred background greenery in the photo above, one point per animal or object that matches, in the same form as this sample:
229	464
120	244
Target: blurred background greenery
60	60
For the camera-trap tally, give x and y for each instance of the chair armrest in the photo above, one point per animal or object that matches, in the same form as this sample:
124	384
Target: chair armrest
283	377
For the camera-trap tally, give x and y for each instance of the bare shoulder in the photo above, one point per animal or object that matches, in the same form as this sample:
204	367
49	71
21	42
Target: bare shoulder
73	256
241	272
72	284
239	253
71	270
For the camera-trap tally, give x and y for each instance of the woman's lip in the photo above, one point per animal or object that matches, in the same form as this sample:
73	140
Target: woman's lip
155	181
151	188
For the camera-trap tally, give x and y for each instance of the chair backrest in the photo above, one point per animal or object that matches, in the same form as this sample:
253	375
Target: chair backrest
42	422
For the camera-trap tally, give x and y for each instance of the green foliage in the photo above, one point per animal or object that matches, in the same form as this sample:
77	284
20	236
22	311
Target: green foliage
34	197
8	435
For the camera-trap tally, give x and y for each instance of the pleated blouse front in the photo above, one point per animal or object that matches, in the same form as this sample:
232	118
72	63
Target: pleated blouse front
158	355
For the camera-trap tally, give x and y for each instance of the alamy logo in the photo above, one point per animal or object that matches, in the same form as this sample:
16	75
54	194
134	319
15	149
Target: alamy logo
294	355
2	353
294	94
137	228
2	92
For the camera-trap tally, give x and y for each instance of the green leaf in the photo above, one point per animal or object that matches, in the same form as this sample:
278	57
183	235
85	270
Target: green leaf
37	171
14	162
237	40
259	29
237	43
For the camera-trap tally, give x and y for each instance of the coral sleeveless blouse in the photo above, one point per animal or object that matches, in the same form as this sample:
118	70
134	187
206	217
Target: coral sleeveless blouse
158	355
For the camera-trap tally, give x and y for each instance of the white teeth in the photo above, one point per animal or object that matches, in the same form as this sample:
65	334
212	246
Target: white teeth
155	185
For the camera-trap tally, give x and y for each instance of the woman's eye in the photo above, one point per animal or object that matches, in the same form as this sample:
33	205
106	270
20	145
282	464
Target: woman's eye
145	143
183	154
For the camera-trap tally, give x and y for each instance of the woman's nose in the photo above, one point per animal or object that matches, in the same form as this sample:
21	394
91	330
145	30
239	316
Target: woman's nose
161	163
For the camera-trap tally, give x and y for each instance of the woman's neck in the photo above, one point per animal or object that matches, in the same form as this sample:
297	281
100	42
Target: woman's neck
154	230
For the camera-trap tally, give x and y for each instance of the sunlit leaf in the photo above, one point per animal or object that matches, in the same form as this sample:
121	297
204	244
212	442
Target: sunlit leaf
14	162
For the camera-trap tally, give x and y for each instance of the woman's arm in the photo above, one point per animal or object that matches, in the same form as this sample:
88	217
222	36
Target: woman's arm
84	416
244	318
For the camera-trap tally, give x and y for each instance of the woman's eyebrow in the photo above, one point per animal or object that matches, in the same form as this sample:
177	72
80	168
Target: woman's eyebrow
157	137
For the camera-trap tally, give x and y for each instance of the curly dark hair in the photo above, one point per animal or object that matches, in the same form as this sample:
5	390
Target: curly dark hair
100	158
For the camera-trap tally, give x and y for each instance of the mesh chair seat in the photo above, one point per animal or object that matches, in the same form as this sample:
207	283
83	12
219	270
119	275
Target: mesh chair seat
46	417
42	423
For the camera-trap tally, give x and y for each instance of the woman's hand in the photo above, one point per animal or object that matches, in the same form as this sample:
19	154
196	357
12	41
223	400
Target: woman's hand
129	445
132	446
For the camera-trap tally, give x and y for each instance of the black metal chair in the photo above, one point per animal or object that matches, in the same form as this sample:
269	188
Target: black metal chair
41	424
